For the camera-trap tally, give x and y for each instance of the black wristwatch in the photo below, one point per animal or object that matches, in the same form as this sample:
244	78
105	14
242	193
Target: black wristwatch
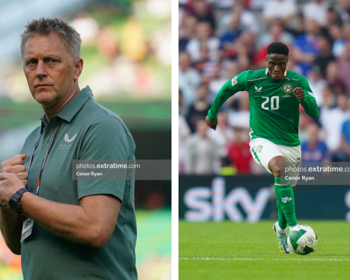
14	203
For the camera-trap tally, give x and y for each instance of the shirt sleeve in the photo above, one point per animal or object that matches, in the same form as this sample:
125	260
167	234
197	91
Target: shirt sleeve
309	103
236	84
105	139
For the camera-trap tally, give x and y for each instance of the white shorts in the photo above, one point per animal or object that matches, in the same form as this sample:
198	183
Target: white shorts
264	150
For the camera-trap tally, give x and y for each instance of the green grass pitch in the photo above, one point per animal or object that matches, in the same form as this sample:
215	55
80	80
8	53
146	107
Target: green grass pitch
245	251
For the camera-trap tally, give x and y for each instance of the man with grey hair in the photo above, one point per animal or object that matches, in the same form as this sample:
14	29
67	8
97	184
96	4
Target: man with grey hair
64	228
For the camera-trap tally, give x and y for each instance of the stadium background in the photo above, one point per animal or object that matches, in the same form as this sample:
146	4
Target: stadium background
220	39
126	51
219	181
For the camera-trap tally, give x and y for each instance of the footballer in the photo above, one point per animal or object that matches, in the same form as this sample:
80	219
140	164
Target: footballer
274	97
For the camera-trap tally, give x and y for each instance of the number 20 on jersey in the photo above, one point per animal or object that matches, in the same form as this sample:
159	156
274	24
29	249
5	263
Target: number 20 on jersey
272	103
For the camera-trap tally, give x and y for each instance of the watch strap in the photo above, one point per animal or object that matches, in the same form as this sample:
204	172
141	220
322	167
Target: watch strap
21	192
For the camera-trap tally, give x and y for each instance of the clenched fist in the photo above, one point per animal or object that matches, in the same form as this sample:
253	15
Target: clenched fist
299	93
211	124
16	166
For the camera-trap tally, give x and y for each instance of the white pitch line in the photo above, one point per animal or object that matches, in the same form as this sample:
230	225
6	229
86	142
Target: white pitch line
260	259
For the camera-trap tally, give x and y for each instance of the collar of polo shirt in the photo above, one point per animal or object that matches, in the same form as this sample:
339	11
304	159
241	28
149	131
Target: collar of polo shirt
72	107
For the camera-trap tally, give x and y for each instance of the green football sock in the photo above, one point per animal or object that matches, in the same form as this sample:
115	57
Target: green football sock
282	222
285	199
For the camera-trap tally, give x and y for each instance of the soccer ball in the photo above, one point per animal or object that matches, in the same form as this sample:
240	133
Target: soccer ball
302	240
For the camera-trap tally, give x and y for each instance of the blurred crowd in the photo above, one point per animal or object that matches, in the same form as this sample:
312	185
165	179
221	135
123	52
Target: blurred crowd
220	39
136	53
126	52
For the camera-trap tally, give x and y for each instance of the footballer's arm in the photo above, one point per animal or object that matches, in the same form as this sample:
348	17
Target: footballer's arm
224	93
309	101
236	84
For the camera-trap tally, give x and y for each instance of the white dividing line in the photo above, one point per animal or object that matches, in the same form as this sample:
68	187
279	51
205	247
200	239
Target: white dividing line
261	259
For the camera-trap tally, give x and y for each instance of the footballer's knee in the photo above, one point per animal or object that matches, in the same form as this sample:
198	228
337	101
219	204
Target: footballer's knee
275	165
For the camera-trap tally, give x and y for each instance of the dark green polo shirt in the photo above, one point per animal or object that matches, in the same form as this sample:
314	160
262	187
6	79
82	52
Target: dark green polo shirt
88	132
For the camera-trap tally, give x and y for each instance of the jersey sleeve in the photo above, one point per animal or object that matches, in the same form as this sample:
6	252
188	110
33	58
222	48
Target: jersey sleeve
309	103
236	84
106	139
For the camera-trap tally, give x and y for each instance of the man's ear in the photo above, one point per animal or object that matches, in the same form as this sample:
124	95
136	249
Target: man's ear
78	68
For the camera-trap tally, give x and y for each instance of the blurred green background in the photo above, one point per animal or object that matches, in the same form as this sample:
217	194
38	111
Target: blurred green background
126	48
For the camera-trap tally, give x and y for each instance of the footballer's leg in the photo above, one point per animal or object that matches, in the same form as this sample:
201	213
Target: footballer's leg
293	157
284	192
281	232
285	204
264	152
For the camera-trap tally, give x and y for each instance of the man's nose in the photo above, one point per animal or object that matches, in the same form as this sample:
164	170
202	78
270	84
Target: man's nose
41	69
277	68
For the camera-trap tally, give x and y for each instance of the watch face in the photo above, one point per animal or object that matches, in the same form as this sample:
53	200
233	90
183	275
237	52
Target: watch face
13	205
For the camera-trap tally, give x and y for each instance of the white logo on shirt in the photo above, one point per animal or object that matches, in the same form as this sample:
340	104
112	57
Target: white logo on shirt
66	138
258	89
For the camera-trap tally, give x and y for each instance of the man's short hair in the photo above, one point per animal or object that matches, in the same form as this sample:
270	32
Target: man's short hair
277	48
45	26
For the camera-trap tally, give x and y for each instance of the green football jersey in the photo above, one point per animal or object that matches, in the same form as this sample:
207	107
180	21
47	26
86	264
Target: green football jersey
274	110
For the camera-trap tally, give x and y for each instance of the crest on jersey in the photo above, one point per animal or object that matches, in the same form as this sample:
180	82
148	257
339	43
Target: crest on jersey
260	148
287	88
234	81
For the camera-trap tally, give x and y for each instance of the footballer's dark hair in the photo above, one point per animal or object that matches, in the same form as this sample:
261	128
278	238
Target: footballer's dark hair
45	26
277	48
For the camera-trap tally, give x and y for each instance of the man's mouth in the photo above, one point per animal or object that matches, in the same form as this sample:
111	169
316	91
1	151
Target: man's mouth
41	86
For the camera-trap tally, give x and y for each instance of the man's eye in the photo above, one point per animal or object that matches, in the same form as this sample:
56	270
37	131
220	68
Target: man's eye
31	62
